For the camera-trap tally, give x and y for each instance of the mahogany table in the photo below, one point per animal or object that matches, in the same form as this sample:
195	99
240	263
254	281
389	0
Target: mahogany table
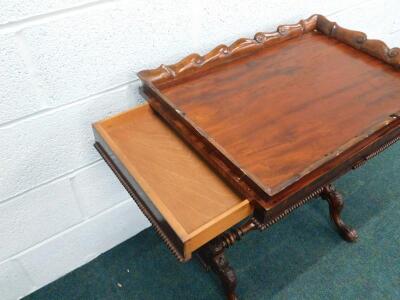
253	131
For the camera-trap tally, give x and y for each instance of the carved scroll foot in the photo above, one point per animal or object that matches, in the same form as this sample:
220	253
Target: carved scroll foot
213	257
335	201
212	254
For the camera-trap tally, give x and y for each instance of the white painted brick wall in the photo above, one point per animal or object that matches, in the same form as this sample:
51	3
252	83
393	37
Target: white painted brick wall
82	243
36	216
53	143
66	64
96	196
14	280
16	10
18	94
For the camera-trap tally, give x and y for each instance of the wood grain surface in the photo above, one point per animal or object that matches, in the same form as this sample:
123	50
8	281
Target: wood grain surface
196	203
281	113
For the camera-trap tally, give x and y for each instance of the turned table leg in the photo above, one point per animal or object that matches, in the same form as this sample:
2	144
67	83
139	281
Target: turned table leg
214	258
212	255
335	201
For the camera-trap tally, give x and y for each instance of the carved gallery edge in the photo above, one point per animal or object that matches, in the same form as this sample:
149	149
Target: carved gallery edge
268	206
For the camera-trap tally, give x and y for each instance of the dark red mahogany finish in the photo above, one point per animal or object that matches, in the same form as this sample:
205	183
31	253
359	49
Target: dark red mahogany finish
279	115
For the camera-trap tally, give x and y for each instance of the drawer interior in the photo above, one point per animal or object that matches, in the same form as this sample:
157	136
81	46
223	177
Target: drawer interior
175	184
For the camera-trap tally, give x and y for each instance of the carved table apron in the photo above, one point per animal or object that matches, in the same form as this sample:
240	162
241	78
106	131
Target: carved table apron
263	198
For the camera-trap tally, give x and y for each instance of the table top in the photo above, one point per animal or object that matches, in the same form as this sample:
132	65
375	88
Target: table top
283	112
288	108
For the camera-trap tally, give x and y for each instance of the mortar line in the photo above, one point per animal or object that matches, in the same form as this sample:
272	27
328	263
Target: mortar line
37	84
77	197
348	7
65	105
54	179
38	19
395	31
66	230
27	274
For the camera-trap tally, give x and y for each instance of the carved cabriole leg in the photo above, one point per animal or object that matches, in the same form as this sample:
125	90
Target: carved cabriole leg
212	255
335	201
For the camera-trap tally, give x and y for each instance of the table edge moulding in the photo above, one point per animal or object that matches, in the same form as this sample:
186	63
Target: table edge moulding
194	65
257	208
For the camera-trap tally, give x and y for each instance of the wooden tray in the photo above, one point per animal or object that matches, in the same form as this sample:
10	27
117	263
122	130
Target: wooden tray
157	168
271	113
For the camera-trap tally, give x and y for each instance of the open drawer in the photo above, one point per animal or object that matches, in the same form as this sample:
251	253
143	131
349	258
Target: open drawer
187	203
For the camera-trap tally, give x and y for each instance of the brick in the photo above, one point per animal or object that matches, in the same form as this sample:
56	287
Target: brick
82	53
95	49
373	18
46	146
36	216
393	39
97	189
14	282
83	243
224	22
15	10
18	95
